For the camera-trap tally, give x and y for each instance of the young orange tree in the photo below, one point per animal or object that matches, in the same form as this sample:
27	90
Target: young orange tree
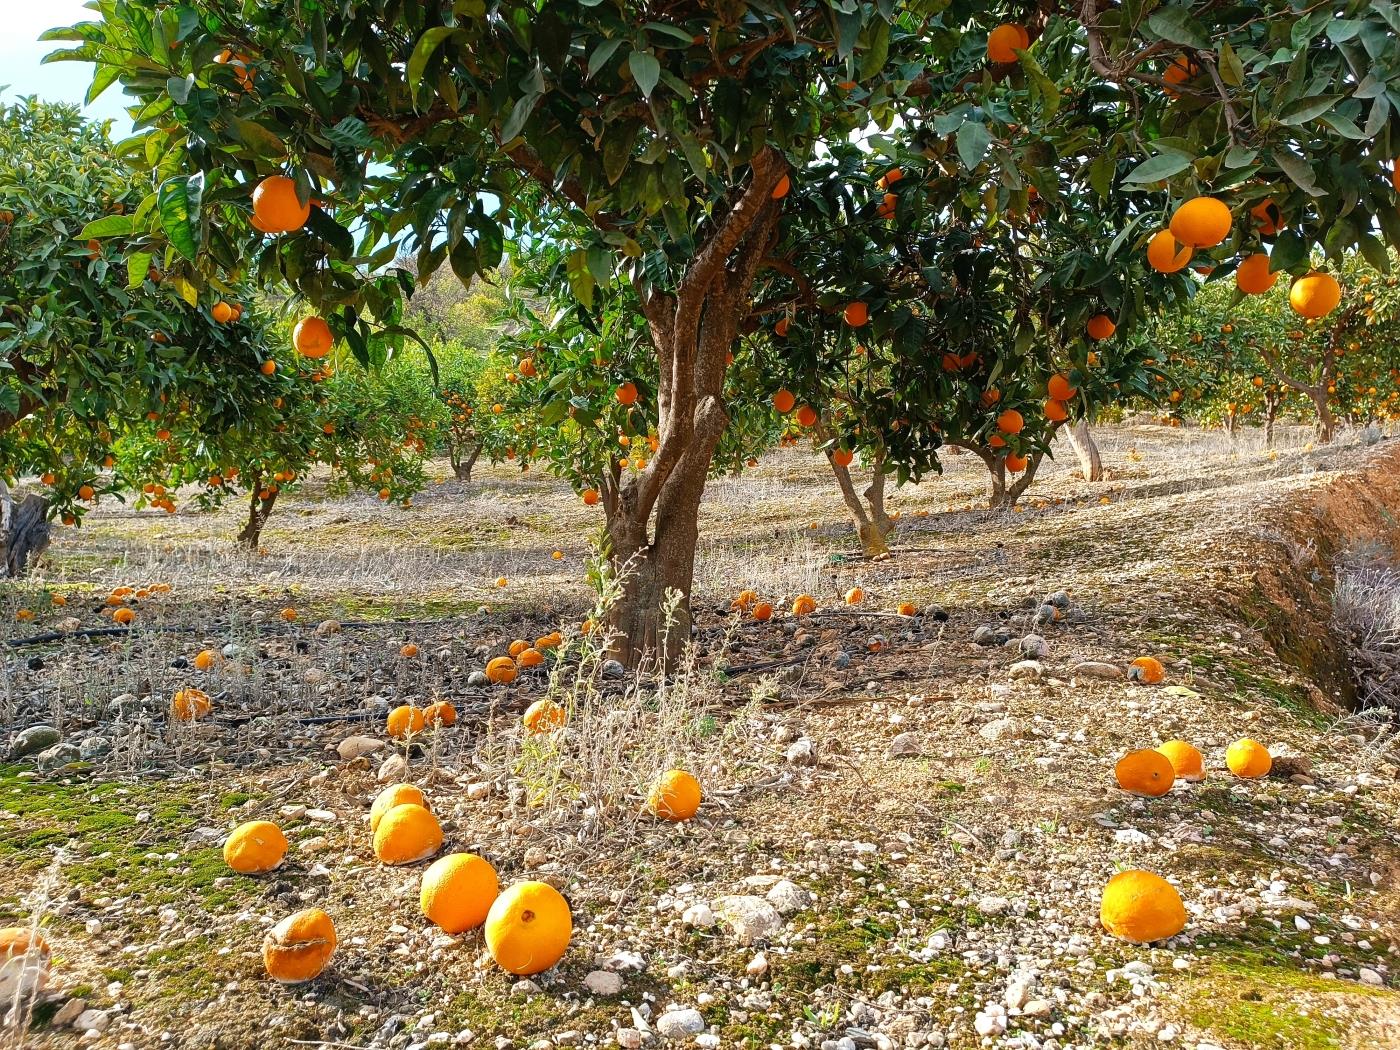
658	146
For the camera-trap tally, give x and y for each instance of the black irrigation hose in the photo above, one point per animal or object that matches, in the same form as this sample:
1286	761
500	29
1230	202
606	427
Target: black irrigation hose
98	632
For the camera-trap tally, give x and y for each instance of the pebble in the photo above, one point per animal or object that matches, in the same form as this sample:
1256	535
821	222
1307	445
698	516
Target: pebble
801	753
677	1024
353	747
905	745
603	982
750	919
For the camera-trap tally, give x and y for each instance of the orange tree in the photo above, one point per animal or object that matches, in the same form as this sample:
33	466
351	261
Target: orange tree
657	146
92	340
1235	357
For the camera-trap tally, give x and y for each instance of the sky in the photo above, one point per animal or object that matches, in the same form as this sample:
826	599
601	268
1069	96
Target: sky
21	51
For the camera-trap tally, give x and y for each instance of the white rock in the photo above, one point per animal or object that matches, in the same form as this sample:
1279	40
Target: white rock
629	1038
788	897
905	745
752	919
699	915
757	966
677	1024
1369	976
997	729
93	1021
603	982
1096	669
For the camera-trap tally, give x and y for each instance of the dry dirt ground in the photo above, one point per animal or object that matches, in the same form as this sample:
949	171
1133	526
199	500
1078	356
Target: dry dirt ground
920	833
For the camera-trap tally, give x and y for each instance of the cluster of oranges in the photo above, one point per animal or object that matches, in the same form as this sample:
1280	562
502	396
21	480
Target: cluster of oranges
503	670
118	602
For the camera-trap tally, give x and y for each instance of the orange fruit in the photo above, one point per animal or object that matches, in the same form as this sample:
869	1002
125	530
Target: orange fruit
762	611
312	337
843	457
408	649
1015	463
1139	906
440	713
528	928
543	716
1147	669
674	796
854	596
1100	326
781	328
1011	422
744	600
1055	411
627	394
1248	759
267	368
406	834
783	402
288	614
1201	222
1058	388
298	948
457	892
1164	254
857	314
403	721
1004	41
1186	761
907	609
501	670
804	604
189	704
1145	772
1253	276
1180	71
276	207
590	497
1315	295
529	657
806	416
125	617
782	188
255	848
391	796
1267	217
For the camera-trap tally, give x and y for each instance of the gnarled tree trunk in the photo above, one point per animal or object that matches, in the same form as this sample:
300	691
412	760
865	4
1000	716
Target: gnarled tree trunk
1081	439
873	524
693	329
25	531
1005	493
463	459
259	510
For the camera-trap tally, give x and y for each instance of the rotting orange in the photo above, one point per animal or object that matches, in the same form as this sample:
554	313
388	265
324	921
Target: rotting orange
1145	772
298	948
255	848
544	716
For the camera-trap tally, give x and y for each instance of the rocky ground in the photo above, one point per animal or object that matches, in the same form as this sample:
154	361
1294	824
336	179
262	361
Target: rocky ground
905	830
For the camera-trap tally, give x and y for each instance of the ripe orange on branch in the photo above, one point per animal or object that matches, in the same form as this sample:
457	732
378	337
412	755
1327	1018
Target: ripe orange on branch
276	207
1315	295
783	401
1201	222
857	314
312	337
1011	422
1165	255
1004	41
1253	276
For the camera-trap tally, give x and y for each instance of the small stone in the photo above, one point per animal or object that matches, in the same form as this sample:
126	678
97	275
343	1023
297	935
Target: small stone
93	1021
392	770
757	966
68	1013
326	627
788	897
751	919
523	988
33	740
603	982
1026	670
677	1024
353	747
1370	976
614	670
1037	1008
699	916
478	680
320	816
997	729
905	745
58	756
94	747
628	1038
993	905
536	857
801	753
478	790
1034	647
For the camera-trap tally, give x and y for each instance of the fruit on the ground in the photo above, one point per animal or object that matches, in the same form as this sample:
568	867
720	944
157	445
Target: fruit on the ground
1248	759
1141	907
440	713
391	796
1201	222
457	892
24	963
528	928
298	948
907	609
312	337
529	657
1011	422
1315	295
806	416
763	610
1253	276
544	716
1059	388
627	394
552	640
189	704
124	617
674	796
1100	326
404	720
857	314
783	401
501	670
1165	255
501	581
854	596
205	659
1186	761
408	649
255	847
276	207
406	834
288	614
517	647
1145	772
1146	669
744	600
804	604
1004	41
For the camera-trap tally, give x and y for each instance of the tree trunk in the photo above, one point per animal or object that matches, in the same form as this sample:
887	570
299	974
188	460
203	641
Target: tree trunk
1087	449
25	531
693	329
462	466
872	523
259	510
1271	402
1326	421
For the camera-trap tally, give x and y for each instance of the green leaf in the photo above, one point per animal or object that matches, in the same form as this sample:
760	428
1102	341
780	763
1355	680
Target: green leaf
1160	167
601	54
138	264
107	226
519	114
581	281
973	140
176	204
257	138
1374	251
423	51
1290	251
1176	25
1299	170
646	70
1306	109
1229	64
